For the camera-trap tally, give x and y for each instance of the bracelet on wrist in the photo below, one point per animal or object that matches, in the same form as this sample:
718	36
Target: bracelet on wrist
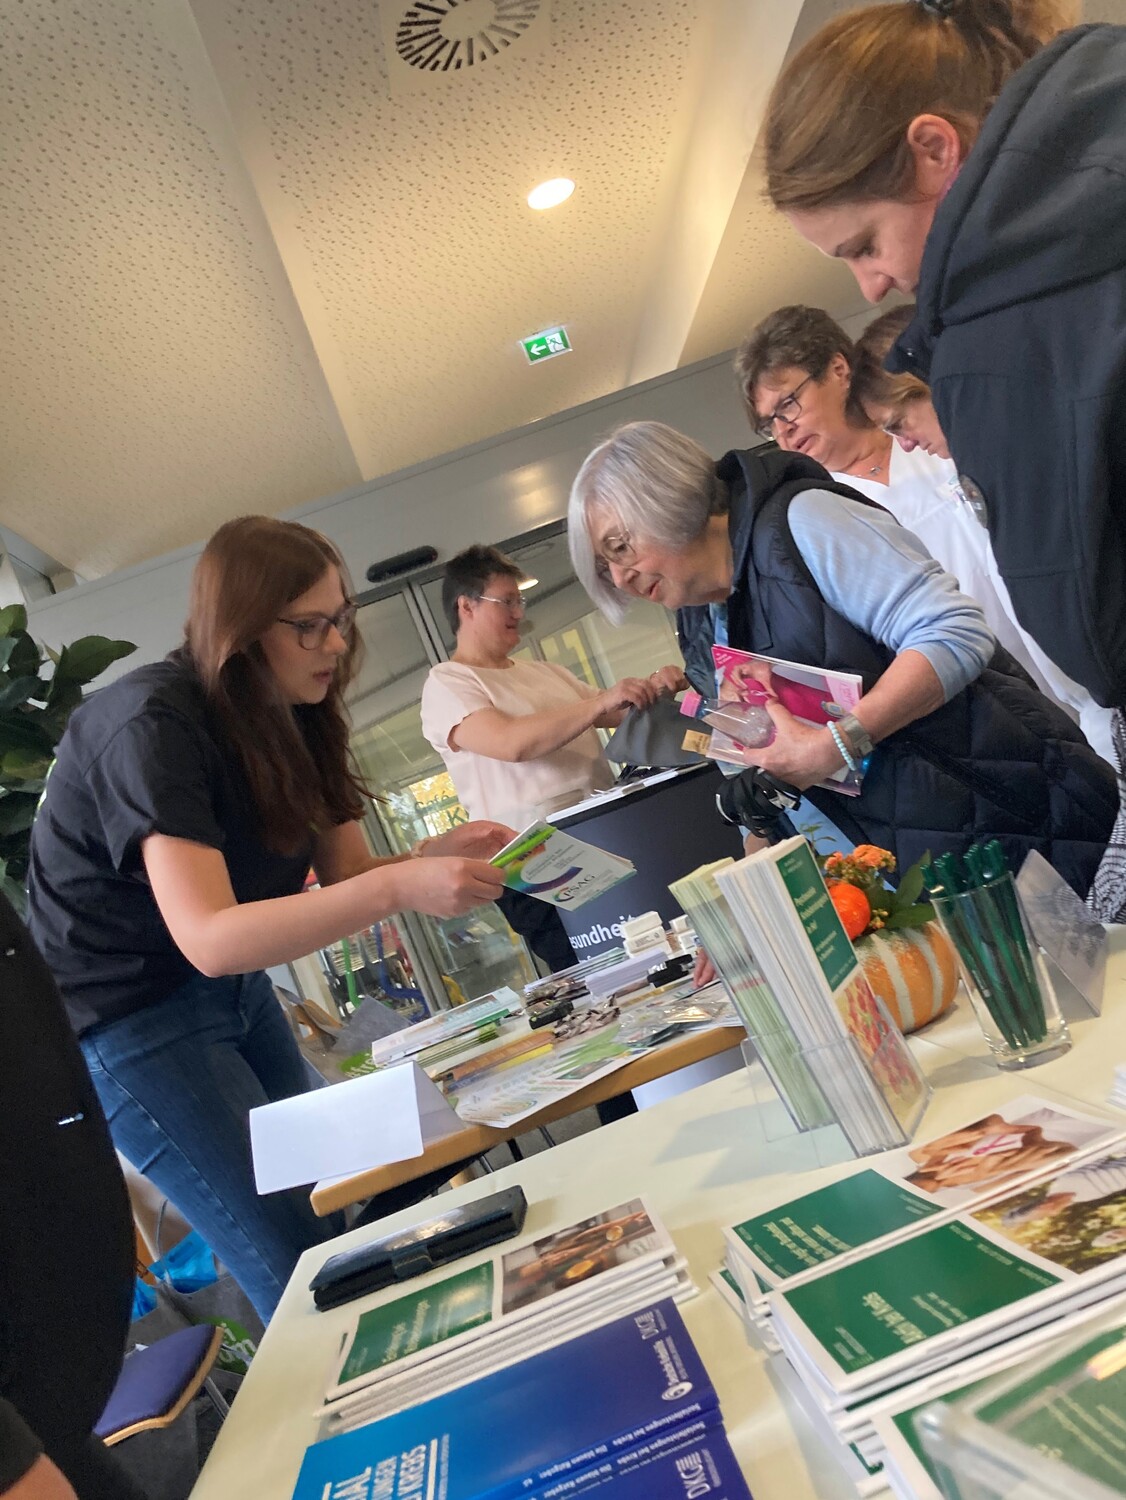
419	849
843	750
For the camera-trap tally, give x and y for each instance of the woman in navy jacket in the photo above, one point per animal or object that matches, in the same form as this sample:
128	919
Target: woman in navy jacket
939	148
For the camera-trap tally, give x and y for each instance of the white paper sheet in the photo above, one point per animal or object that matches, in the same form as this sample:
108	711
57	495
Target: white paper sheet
347	1127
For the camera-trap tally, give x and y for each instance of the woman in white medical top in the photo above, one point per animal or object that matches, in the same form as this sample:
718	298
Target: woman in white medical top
901	405
796	372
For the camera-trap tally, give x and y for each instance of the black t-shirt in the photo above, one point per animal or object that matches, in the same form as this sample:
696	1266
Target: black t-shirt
141	756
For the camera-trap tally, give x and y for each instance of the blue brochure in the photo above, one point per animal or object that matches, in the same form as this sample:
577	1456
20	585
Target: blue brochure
585	1405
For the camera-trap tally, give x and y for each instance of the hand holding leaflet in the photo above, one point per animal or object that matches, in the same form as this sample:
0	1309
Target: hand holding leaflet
554	867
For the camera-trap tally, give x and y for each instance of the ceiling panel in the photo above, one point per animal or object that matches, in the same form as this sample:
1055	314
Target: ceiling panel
252	258
158	379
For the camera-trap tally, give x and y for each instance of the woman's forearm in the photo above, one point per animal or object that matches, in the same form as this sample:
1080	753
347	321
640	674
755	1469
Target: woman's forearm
259	934
909	689
521	737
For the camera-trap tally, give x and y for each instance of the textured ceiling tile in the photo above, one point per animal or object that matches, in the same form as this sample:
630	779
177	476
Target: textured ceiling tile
153	385
409	210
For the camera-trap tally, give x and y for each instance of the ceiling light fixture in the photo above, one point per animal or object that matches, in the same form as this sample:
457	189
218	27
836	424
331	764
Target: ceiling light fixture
528	583
550	194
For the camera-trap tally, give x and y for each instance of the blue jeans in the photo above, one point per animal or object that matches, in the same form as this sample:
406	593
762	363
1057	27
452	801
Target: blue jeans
177	1081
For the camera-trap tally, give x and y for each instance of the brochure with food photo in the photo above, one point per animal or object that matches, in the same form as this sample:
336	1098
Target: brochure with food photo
436	1335
906	1190
1056	1244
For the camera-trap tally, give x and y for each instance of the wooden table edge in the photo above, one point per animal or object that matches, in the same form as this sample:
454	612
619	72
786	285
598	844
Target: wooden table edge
474	1139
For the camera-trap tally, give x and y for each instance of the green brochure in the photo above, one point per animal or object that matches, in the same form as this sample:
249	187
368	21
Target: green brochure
888	1302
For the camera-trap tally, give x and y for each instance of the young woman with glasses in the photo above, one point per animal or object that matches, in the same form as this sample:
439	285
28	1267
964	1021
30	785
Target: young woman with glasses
517	737
187	805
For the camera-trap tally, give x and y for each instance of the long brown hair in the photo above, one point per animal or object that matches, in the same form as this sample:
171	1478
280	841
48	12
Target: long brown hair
836	126
296	759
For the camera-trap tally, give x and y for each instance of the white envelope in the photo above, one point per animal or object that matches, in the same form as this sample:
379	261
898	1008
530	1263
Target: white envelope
345	1128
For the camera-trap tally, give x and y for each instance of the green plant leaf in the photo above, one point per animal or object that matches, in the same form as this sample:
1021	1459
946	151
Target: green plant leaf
910	916
24	765
24	659
14	694
24	731
88	657
17	812
62	699
7	646
15	893
13	619
911	886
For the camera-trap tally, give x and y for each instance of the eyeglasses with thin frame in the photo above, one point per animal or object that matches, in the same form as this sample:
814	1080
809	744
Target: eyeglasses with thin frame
312	630
788	410
618	550
514	606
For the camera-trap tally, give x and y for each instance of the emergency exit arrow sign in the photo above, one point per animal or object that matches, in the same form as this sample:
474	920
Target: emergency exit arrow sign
546	345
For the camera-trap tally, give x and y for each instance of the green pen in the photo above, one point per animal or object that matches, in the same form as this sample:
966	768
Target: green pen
998	871
1016	997
974	949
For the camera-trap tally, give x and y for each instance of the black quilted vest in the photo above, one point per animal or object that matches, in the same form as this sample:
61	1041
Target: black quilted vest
998	761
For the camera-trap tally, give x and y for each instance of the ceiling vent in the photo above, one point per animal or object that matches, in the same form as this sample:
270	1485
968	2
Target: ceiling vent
436	37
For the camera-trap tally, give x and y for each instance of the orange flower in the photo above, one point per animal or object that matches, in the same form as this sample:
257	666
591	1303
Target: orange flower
872	857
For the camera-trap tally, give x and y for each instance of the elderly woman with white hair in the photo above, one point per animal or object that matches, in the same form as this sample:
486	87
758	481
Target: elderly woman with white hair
960	746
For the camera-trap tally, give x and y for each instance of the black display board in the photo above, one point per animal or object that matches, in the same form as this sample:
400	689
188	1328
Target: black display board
667	830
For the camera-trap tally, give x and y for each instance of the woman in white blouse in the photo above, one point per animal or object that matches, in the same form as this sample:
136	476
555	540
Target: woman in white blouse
519	735
796	374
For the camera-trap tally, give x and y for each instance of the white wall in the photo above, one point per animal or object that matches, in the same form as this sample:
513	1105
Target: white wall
485	493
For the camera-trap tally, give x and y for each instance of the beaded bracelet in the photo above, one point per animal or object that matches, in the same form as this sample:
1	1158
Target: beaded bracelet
845	753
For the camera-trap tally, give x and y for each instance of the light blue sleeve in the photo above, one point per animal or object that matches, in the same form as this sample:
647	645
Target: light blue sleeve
881	578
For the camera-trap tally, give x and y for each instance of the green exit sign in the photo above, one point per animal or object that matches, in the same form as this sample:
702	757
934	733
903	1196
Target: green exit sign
546	345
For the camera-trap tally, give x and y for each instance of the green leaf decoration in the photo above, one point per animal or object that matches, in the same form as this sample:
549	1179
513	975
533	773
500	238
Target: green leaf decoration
910	916
911	886
87	658
33	715
13	620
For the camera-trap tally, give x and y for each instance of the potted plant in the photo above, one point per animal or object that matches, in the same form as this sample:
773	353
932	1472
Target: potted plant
34	709
907	957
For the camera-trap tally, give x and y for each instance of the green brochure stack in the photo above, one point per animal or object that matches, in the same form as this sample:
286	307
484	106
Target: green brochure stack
822	1035
930	1267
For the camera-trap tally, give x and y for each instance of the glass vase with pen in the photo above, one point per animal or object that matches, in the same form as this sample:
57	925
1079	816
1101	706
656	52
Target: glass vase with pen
1002	966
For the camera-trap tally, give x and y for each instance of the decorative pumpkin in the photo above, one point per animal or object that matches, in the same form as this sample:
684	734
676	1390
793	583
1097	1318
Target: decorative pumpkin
914	972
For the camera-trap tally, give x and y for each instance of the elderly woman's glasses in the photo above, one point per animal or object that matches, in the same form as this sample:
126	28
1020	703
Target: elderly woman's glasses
616	549
312	630
788	410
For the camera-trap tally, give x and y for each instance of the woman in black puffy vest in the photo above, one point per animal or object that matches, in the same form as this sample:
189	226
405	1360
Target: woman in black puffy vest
960	745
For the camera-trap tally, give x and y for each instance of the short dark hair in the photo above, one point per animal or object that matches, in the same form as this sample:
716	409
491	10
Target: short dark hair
467	575
806	338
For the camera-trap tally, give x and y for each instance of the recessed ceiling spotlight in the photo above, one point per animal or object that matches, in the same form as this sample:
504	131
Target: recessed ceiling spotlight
550	194
528	583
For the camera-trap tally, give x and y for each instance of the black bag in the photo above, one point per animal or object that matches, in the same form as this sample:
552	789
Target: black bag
654	736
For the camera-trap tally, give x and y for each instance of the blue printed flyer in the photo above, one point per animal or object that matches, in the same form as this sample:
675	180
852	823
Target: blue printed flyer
582	1409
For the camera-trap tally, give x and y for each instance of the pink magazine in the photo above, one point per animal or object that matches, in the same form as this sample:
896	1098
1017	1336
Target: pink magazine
811	694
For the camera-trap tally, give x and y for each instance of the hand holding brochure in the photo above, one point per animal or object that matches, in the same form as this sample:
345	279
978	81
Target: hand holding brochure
552	866
745	681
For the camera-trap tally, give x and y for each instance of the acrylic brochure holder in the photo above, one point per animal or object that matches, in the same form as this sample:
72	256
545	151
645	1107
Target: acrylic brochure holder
797	1093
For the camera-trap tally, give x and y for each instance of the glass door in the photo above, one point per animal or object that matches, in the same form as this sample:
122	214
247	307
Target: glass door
404	634
449	960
